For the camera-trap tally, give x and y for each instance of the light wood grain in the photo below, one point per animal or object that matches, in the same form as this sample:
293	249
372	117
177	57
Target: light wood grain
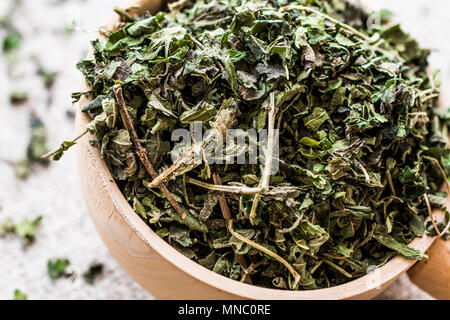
166	273
433	275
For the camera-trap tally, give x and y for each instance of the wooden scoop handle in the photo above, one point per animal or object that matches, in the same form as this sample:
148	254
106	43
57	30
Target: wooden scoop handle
433	275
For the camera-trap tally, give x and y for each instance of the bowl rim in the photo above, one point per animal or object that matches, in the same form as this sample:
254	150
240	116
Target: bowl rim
379	278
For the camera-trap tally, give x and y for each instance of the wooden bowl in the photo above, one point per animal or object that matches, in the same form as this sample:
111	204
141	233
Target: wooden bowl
168	274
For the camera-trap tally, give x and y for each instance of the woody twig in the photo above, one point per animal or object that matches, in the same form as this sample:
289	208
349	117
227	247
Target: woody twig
141	151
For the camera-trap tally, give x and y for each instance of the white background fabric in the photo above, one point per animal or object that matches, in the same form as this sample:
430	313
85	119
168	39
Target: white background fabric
53	192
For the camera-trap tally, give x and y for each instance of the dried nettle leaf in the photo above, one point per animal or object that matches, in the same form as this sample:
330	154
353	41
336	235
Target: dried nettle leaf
25	229
93	272
357	134
19	295
59	268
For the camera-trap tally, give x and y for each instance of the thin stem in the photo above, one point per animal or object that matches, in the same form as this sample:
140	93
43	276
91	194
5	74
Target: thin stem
185	160
255	205
430	213
431	96
265	180
227	189
241	189
227	216
293	227
141	151
270	143
52	153
316	267
166	175
339	23
419	114
366	174
438	164
197	43
391	183
429	91
331	264
266	251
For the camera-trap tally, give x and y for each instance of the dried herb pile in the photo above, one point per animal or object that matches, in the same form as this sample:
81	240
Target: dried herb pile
361	149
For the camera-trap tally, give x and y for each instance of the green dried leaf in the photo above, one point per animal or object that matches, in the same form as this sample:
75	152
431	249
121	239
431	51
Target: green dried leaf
314	121
26	229
19	295
404	250
93	272
59	268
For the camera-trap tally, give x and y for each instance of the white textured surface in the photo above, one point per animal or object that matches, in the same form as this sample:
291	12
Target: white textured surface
53	192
